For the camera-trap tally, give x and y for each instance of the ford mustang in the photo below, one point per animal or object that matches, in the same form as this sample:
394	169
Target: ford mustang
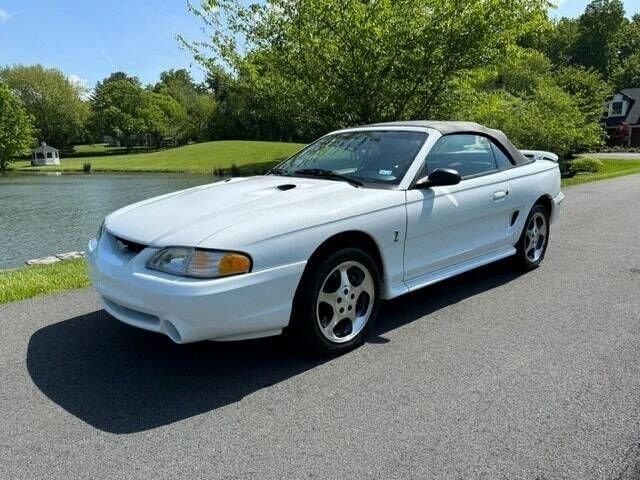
359	216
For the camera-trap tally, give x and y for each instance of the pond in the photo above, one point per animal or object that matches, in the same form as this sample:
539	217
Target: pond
46	214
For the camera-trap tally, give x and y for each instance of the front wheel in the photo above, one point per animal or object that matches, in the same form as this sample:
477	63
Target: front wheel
533	242
338	302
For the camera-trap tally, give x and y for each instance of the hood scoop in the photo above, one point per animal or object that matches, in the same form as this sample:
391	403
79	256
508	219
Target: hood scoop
286	186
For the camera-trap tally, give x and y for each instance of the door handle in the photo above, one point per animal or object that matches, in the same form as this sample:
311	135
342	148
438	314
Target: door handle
500	195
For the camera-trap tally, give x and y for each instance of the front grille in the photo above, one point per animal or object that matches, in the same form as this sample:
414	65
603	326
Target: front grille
125	245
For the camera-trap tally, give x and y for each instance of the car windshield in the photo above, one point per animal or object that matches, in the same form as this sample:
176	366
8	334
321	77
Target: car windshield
367	156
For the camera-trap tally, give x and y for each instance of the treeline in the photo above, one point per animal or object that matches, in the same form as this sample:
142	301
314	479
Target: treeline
288	70
292	70
175	109
65	113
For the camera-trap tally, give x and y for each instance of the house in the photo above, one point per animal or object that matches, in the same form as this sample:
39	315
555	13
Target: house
45	155
622	120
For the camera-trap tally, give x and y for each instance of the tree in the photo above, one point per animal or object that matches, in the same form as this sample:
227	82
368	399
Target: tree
627	70
598	35
588	89
198	103
627	75
317	65
535	105
55	102
560	43
163	117
16	128
547	120
119	108
629	38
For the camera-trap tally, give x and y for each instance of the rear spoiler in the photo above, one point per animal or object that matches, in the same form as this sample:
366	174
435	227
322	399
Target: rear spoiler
540	155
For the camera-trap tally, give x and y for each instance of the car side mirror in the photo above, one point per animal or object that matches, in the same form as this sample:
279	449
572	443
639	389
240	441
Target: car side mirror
438	178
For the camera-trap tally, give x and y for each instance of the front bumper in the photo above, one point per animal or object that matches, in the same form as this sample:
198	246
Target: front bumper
187	310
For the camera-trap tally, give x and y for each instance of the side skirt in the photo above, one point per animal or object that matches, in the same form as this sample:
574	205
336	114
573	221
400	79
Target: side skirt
448	272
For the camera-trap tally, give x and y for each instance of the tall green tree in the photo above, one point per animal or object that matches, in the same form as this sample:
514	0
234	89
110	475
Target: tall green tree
317	64
627	75
560	43
56	103
16	128
198	103
119	108
597	42
627	71
163	116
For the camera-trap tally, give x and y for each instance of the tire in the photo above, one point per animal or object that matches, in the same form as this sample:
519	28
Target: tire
337	302
533	242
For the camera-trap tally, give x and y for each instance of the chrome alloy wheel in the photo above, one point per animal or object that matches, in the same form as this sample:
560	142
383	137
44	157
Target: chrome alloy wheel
536	237
345	302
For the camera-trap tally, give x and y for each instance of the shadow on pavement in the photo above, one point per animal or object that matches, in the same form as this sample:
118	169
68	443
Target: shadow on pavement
122	380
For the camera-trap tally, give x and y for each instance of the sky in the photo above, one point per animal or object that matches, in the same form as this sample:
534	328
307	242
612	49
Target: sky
573	8
89	39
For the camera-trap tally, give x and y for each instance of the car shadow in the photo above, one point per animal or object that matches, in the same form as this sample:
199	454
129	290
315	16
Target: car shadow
122	380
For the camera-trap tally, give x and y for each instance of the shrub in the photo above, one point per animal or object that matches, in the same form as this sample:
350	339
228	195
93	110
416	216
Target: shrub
86	167
587	165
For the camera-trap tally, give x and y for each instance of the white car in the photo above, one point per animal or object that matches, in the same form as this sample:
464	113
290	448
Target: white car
361	215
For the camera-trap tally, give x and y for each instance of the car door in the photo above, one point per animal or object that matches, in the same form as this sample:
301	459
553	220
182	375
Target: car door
447	226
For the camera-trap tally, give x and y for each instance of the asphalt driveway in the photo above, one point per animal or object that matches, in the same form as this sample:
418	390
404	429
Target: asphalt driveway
492	375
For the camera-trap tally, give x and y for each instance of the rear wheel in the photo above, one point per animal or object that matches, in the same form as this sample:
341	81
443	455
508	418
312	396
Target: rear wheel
338	302
533	242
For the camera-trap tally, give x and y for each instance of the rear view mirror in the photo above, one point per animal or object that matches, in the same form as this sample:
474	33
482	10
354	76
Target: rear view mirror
438	178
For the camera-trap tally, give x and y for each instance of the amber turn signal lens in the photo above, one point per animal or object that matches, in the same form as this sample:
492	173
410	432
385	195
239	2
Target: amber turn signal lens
234	263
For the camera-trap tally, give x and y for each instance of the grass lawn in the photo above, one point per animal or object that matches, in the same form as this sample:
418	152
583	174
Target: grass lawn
29	282
612	168
197	158
91	149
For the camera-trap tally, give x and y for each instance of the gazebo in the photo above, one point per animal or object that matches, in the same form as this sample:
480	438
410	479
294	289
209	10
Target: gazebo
45	155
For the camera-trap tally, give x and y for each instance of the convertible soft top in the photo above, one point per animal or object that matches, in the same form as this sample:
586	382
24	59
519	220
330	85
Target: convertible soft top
447	128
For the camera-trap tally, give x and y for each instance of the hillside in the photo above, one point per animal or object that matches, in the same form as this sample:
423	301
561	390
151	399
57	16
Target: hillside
197	158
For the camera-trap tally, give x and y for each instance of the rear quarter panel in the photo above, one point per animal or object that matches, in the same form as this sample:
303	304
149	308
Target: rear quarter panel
527	184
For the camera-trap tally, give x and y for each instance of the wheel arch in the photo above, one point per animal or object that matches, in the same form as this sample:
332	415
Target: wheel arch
546	201
346	239
350	238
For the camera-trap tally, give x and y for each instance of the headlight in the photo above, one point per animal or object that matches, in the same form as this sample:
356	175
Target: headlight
196	262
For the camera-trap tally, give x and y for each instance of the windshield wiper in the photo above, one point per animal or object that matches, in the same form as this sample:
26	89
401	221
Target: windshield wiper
278	171
320	172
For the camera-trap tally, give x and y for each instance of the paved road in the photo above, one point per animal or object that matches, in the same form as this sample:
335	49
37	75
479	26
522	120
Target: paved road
493	375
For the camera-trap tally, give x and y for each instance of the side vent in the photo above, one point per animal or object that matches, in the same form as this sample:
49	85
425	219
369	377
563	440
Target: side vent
285	187
514	217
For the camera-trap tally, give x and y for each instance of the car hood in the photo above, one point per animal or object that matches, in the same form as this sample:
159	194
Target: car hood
188	217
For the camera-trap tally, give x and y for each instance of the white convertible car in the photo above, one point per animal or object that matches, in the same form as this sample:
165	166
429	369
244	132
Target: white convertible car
359	216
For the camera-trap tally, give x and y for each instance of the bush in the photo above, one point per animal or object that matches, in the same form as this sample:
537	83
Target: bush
587	165
547	119
86	167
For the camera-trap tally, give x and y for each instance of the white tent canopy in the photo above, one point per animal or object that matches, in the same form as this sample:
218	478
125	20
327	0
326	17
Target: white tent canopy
45	155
